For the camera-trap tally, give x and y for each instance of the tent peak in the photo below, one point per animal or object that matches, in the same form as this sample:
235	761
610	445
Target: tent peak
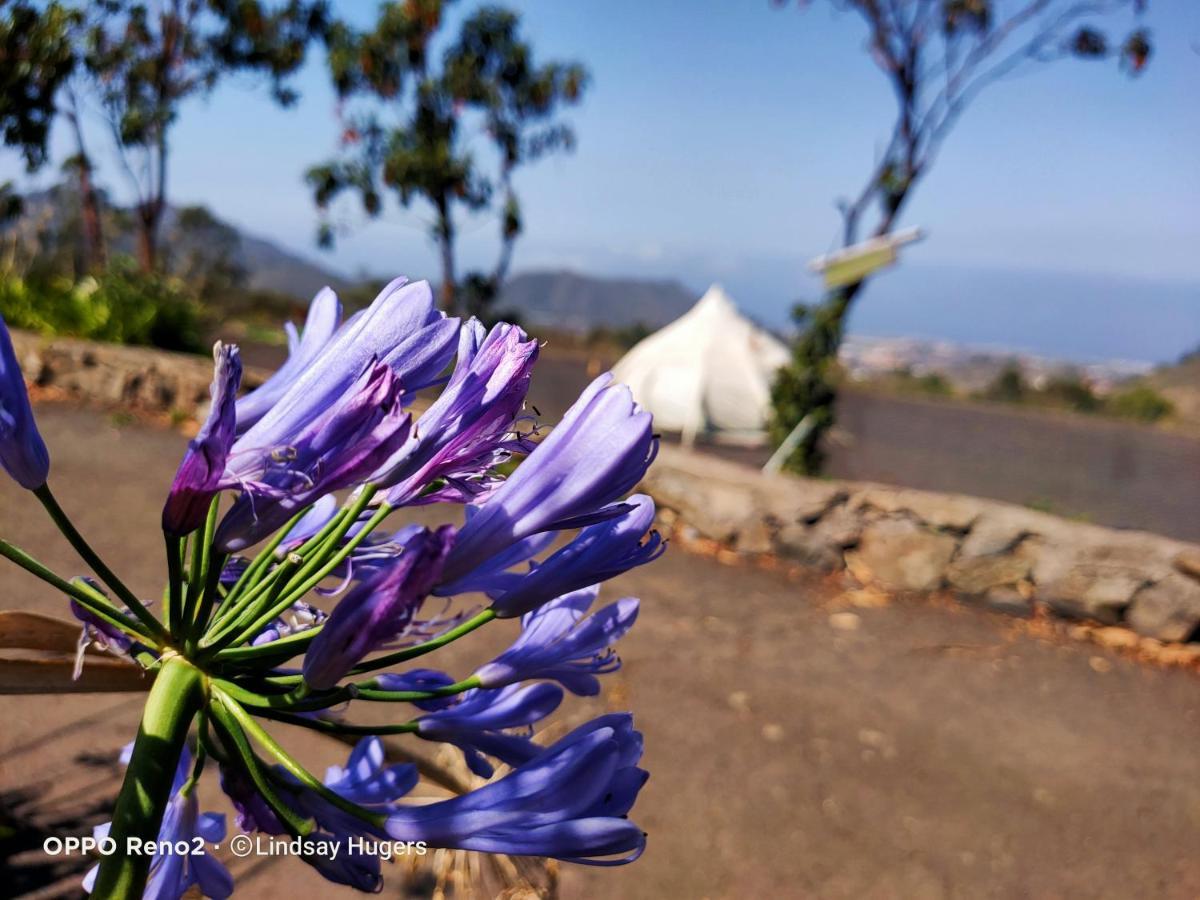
715	297
710	371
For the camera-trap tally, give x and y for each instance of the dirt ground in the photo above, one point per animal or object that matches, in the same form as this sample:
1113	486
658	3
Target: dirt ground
926	753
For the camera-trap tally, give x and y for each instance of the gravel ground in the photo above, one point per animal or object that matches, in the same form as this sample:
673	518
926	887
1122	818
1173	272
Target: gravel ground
913	751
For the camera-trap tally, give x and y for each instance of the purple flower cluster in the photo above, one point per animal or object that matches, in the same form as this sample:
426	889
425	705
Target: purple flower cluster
314	462
336	416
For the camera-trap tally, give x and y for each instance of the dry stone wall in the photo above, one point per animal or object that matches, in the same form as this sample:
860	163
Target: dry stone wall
1004	556
140	378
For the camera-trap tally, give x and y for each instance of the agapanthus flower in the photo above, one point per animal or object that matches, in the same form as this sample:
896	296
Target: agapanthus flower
378	610
336	449
401	329
97	632
172	875
594	456
569	802
201	474
318	461
251	810
23	454
336	416
468	429
560	642
374	786
480	724
597	553
367	780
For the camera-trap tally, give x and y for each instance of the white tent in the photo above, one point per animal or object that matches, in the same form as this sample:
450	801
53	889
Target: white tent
709	371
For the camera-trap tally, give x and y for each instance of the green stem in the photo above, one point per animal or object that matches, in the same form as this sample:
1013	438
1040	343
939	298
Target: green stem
191	603
312	702
212	583
175	698
173	610
198	580
365	692
237	612
306	778
237	622
289	702
279	651
88	598
201	753
336	727
249	578
319	567
390	659
233	736
315	565
98	566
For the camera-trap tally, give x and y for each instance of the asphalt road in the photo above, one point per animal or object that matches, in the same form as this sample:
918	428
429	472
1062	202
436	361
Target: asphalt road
1100	470
1109	472
931	752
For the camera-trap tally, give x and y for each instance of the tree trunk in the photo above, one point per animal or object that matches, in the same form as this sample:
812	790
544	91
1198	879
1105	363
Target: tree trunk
444	232
93	228
95	251
811	376
147	238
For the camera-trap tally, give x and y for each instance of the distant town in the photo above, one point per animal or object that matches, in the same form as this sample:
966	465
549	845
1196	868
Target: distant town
971	369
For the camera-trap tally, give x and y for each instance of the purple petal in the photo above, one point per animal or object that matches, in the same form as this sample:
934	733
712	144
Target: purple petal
324	314
599	451
23	454
377	610
201	474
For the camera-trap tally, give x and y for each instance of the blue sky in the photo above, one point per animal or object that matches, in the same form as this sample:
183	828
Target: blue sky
716	136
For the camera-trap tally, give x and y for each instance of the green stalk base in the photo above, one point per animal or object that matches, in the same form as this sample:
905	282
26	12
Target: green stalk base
176	697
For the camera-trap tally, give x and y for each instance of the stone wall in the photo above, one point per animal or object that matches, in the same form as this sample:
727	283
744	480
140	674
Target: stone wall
139	378
1004	556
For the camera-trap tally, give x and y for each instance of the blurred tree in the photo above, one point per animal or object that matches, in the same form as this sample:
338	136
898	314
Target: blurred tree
1009	385
937	56
79	166
411	132
1141	402
36	59
148	58
205	253
1069	389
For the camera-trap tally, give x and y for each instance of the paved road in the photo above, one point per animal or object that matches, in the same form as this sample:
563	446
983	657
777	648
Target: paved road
930	753
1112	473
1108	472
